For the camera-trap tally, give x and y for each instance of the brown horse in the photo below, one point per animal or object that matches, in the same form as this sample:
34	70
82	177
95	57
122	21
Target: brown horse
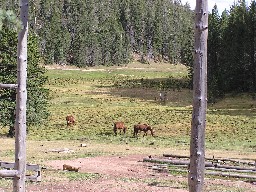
70	120
119	126
142	127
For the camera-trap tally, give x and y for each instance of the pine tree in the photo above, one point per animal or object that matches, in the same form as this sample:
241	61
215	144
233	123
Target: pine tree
176	41
10	5
187	36
8	20
54	33
8	66
251	49
88	33
37	94
214	54
158	34
234	46
138	18
85	33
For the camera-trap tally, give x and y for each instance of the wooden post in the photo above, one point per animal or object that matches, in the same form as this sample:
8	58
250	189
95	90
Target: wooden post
20	121
197	141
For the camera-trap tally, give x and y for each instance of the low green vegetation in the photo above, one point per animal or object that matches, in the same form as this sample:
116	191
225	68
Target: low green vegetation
158	182
97	98
5	183
74	176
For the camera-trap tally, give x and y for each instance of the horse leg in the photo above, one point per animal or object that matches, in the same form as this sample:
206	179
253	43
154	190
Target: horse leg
145	133
135	133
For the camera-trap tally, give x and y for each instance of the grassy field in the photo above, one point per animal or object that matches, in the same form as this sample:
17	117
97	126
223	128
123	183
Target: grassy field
97	97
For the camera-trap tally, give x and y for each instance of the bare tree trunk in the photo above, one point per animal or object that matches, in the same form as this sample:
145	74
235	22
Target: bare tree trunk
197	142
20	121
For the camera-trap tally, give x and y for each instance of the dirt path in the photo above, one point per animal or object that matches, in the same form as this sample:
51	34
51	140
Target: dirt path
125	174
117	174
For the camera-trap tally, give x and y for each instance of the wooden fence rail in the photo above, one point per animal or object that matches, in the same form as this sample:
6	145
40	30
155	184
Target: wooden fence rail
219	170
10	86
9	172
207	164
243	161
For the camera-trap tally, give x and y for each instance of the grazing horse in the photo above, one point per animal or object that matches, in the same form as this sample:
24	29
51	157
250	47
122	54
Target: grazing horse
142	127
70	120
119	126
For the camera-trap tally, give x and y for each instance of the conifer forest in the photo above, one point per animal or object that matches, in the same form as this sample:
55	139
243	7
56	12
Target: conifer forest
113	32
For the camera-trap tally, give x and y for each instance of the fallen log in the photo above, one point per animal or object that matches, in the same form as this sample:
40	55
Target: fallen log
207	164
221	174
229	170
160	169
231	175
215	159
174	162
176	156
237	161
217	169
230	167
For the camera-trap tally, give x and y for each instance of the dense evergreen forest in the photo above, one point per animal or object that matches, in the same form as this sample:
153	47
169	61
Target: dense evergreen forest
113	32
110	32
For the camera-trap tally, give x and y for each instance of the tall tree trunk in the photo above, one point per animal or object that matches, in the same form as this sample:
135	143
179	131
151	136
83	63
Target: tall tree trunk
20	122
252	29
197	142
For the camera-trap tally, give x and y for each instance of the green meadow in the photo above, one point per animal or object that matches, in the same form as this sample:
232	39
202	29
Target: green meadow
97	97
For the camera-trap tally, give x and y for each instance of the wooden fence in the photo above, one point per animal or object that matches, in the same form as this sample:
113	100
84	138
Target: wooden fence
225	167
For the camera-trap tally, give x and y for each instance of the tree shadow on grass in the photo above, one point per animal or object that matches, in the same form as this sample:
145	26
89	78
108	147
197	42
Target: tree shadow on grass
158	90
106	133
233	111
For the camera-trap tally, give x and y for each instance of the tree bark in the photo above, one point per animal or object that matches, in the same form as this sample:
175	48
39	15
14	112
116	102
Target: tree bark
197	141
20	121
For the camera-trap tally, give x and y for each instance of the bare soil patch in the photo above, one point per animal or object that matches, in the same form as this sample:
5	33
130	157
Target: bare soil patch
125	174
132	66
117	173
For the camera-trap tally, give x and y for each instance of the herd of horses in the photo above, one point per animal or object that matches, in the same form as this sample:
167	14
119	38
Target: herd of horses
140	127
120	127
